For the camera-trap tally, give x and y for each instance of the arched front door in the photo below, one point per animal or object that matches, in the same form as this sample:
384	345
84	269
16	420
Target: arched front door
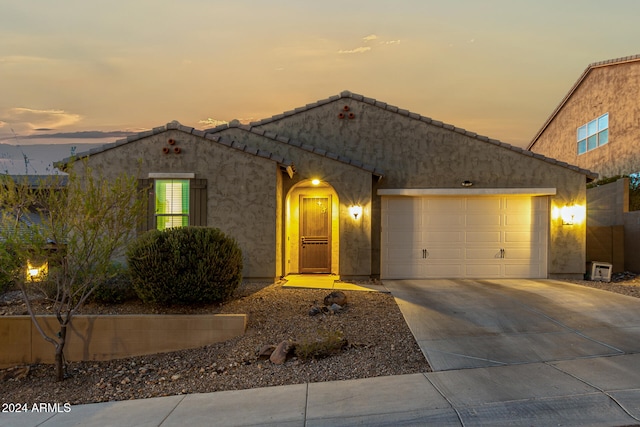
315	234
312	228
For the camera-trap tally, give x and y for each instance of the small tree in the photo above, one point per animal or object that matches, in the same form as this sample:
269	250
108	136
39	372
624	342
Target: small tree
89	222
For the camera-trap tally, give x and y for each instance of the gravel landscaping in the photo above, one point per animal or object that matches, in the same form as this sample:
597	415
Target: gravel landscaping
378	343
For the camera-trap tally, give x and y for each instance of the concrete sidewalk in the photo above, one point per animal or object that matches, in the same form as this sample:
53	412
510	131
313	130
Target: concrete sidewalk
601	391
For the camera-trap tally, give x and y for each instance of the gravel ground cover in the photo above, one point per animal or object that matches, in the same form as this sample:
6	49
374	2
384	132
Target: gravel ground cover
379	343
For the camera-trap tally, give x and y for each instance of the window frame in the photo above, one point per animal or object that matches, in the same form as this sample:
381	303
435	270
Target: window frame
593	134
189	178
176	208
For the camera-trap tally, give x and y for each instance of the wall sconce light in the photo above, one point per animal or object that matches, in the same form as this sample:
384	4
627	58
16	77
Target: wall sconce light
467	183
35	272
570	215
315	181
355	211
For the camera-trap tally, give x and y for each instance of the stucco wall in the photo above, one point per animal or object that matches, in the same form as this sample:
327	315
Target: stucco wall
352	186
113	337
614	89
415	154
606	204
242	188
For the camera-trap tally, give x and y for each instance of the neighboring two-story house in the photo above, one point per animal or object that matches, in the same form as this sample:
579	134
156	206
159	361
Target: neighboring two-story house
596	126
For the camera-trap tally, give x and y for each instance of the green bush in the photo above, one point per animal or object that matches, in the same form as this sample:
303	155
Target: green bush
116	289
186	265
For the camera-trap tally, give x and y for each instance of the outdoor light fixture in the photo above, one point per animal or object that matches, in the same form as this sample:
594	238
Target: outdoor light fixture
355	211
315	181
569	215
467	183
35	273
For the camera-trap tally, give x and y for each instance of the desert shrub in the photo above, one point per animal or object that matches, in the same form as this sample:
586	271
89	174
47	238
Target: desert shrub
185	265
8	269
116	288
324	345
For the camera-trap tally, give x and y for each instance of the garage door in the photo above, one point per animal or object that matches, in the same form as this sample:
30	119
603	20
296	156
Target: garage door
464	237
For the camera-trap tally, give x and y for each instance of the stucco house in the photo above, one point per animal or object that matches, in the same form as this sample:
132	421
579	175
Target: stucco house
596	126
353	186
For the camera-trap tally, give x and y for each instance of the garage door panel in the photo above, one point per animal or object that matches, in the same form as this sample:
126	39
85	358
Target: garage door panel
464	236
483	254
439	271
405	270
456	254
484	237
403	222
451	220
404	238
442	237
521	237
517	220
517	204
483	220
522	270
446	205
401	254
484	204
483	270
529	254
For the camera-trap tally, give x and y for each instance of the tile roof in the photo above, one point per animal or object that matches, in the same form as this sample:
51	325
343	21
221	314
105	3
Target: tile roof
296	143
583	76
189	130
383	105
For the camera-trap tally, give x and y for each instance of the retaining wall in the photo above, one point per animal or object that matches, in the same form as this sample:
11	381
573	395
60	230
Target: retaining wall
113	337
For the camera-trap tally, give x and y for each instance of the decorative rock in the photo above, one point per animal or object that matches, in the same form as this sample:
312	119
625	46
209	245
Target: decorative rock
335	308
335	297
266	351
279	355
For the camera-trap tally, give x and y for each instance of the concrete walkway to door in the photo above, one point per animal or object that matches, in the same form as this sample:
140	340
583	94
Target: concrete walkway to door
329	281
483	323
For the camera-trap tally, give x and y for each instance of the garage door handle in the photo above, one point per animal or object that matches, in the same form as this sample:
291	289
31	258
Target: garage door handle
501	253
425	254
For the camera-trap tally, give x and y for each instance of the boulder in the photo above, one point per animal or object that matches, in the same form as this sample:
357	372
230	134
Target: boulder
335	297
279	355
266	351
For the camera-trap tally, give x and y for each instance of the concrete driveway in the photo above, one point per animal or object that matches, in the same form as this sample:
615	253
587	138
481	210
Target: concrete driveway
483	323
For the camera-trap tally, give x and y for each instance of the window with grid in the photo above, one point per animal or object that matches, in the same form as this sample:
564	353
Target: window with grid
594	134
172	203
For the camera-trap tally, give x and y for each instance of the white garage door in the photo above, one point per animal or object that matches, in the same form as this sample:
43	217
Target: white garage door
464	237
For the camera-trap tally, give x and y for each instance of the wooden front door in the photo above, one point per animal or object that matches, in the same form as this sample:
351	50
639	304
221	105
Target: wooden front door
315	234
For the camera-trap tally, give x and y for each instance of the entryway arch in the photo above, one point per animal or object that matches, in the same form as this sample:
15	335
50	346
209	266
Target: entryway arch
312	219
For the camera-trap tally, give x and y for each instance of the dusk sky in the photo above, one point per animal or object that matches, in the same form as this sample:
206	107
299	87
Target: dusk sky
495	67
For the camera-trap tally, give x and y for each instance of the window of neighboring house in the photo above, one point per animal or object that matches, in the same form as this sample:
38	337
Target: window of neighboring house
594	134
172	203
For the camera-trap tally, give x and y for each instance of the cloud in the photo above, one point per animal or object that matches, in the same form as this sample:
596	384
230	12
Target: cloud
30	119
2	124
356	50
212	122
367	39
